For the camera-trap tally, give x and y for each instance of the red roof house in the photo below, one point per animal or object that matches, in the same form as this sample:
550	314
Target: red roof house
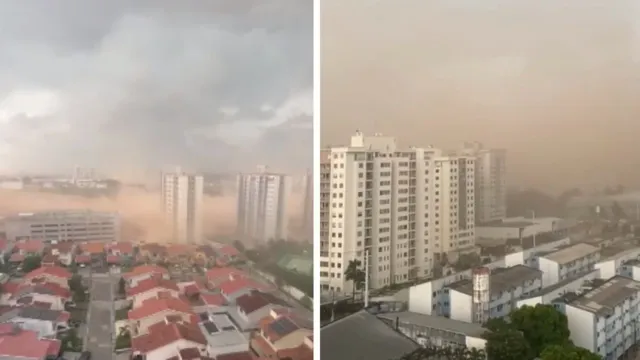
26	344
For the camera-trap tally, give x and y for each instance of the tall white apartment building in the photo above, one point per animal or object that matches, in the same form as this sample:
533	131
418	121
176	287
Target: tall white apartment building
404	207
307	216
490	181
182	204
262	206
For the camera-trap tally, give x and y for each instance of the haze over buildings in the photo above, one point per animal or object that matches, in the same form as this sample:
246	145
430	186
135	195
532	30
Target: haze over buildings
406	207
552	83
262	206
182	205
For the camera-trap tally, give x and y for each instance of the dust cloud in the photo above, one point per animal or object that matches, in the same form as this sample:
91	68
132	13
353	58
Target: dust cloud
140	210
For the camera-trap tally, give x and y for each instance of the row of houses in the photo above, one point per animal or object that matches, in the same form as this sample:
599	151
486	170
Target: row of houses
225	316
596	287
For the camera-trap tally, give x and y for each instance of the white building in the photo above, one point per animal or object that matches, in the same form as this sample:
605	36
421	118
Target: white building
490	181
549	294
262	206
404	207
567	262
604	320
618	262
64	225
182	204
432	296
517	229
506	286
307	216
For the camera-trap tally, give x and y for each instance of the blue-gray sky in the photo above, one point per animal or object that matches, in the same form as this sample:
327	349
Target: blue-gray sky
554	82
125	85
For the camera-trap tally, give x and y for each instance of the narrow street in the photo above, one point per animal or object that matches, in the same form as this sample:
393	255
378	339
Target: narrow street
99	337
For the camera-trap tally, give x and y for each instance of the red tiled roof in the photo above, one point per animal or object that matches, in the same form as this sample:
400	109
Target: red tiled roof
224	273
154	306
302	352
30	246
150	284
3	244
213	299
83	259
165	334
121	247
113	259
63	247
233	286
10	287
189	353
236	356
47	287
256	300
144	270
16	257
25	344
49	259
92	248
64	317
55	271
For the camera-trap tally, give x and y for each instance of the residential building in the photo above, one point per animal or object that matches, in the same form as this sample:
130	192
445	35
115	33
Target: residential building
182	204
520	230
233	289
223	337
218	275
43	295
402	207
64	225
46	322
16	343
153	311
144	272
167	340
262	206
53	274
307	210
567	262
604	319
506	286
284	335
552	294
255	305
63	252
490	182
152	288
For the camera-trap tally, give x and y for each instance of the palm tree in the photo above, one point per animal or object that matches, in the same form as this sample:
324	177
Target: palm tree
355	274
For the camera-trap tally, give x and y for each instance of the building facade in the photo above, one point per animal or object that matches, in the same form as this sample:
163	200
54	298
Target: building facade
182	205
64	225
490	182
402	207
567	262
307	216
262	206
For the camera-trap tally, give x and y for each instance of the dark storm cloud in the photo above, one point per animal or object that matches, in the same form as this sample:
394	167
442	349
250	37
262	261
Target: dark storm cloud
124	84
554	82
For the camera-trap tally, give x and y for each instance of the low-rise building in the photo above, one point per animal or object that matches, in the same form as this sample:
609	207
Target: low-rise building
223	337
46	322
283	334
254	306
236	288
143	272
219	275
549	294
153	311
63	252
507	286
152	288
167	340
604	319
16	343
44	295
49	274
567	262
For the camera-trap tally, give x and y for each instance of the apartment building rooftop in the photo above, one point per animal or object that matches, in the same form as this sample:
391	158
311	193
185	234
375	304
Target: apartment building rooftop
571	253
603	299
501	279
558	285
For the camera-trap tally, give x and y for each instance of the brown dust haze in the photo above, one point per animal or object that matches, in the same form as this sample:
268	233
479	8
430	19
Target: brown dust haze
140	211
556	83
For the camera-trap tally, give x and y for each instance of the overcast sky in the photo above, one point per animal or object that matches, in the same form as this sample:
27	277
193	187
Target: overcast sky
124	85
554	82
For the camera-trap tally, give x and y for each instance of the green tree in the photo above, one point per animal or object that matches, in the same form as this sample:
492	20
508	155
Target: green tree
542	326
507	344
568	352
31	263
75	283
467	261
70	341
123	340
122	287
355	274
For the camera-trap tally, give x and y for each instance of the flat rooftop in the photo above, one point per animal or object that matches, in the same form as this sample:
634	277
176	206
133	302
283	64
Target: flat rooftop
603	299
558	285
436	322
501	279
571	253
507	224
58	214
363	336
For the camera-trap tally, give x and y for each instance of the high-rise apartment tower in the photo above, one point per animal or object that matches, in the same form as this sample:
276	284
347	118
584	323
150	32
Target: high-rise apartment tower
262	206
408	207
182	204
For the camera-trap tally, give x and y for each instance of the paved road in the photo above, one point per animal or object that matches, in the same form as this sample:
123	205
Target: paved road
99	338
